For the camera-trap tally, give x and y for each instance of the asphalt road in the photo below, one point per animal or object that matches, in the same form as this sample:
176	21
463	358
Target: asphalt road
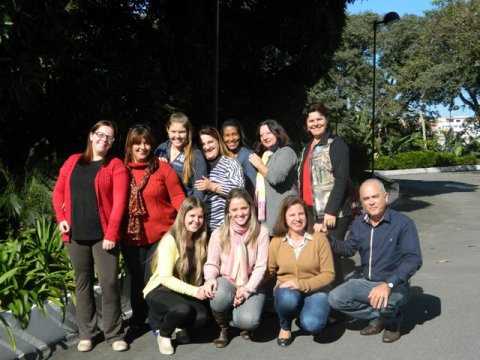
441	321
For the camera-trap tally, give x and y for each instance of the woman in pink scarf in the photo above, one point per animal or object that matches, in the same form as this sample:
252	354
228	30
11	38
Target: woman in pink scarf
236	262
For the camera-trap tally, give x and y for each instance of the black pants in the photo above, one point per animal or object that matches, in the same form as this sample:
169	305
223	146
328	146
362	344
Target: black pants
175	310
138	260
338	233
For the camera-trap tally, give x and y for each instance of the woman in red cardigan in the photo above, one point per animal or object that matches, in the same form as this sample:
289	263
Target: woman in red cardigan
156	195
89	200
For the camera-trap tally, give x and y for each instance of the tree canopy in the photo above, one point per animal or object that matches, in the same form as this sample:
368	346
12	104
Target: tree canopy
66	64
421	61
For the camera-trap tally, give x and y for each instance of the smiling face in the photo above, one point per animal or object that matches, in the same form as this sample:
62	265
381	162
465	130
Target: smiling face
296	219
194	220
267	138
231	136
141	151
210	147
239	211
100	143
316	124
178	135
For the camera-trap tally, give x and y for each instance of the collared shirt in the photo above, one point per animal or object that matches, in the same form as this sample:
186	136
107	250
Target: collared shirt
389	252
297	249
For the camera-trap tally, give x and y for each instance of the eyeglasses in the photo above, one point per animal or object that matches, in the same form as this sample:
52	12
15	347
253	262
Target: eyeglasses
102	136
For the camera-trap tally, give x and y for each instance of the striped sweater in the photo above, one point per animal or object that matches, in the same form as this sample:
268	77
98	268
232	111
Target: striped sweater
229	174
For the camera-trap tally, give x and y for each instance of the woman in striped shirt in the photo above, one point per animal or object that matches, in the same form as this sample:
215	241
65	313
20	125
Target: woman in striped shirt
225	173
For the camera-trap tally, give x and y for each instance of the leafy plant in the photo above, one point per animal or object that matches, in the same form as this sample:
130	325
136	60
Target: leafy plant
34	268
423	159
24	197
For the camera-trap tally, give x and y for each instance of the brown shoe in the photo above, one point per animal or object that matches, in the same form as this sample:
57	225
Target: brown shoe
222	319
391	334
222	339
245	335
372	329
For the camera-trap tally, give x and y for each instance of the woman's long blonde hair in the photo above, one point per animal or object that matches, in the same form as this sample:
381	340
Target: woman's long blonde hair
253	224
179	233
189	149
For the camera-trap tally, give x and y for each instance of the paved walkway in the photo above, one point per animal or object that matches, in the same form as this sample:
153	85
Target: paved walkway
442	319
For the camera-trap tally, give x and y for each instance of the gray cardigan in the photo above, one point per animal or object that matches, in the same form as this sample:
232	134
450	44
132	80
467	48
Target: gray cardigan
280	181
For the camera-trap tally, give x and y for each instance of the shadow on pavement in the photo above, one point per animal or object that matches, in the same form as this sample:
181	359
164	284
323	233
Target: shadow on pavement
420	309
409	189
412	188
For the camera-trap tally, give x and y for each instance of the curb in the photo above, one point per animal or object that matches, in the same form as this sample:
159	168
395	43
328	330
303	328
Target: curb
430	170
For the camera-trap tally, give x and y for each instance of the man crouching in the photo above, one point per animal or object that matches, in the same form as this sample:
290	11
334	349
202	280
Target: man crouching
389	249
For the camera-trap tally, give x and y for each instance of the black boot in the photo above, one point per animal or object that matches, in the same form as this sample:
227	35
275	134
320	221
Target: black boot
222	319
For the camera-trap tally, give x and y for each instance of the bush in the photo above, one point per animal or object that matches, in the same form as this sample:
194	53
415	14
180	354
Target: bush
386	163
423	159
34	268
24	197
470	159
416	159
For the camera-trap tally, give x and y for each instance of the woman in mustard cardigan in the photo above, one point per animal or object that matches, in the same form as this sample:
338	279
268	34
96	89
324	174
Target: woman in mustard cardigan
303	265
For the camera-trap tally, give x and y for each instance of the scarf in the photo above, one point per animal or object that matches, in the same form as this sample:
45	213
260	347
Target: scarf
136	207
260	191
237	266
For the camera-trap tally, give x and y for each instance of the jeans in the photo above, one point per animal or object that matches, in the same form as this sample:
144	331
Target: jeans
351	298
312	309
245	316
174	310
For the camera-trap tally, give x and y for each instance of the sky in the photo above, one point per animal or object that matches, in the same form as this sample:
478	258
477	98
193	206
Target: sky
402	7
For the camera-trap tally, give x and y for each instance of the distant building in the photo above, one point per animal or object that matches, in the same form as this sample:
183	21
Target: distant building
457	124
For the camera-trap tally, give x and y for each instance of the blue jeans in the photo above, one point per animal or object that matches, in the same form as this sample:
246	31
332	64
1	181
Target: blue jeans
245	316
312	309
351	298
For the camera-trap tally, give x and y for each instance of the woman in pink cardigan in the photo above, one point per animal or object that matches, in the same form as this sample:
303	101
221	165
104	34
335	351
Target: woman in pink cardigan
89	200
236	263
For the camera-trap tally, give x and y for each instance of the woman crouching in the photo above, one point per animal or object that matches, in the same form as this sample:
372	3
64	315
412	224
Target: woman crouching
303	264
174	292
236	264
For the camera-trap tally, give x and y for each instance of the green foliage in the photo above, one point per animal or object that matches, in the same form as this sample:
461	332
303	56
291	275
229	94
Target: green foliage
386	163
423	159
395	145
445	64
34	268
421	61
66	64
24	197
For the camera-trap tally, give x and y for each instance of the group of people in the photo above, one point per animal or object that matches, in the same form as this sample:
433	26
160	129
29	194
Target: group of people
213	231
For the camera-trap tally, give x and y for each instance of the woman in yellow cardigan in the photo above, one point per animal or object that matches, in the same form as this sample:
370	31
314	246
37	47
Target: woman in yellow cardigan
303	265
174	292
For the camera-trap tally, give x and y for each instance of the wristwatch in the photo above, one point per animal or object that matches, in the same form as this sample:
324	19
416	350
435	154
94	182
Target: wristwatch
390	285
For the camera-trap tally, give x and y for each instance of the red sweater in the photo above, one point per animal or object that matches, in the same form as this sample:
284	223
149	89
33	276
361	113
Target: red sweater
111	187
163	195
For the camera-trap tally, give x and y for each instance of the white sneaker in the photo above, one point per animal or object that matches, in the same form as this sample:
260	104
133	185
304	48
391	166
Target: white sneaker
119	345
85	345
165	345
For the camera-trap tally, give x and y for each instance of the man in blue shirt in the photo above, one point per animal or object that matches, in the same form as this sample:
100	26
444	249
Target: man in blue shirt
389	249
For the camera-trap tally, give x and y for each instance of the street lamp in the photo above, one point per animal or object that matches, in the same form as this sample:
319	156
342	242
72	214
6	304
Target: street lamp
387	19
